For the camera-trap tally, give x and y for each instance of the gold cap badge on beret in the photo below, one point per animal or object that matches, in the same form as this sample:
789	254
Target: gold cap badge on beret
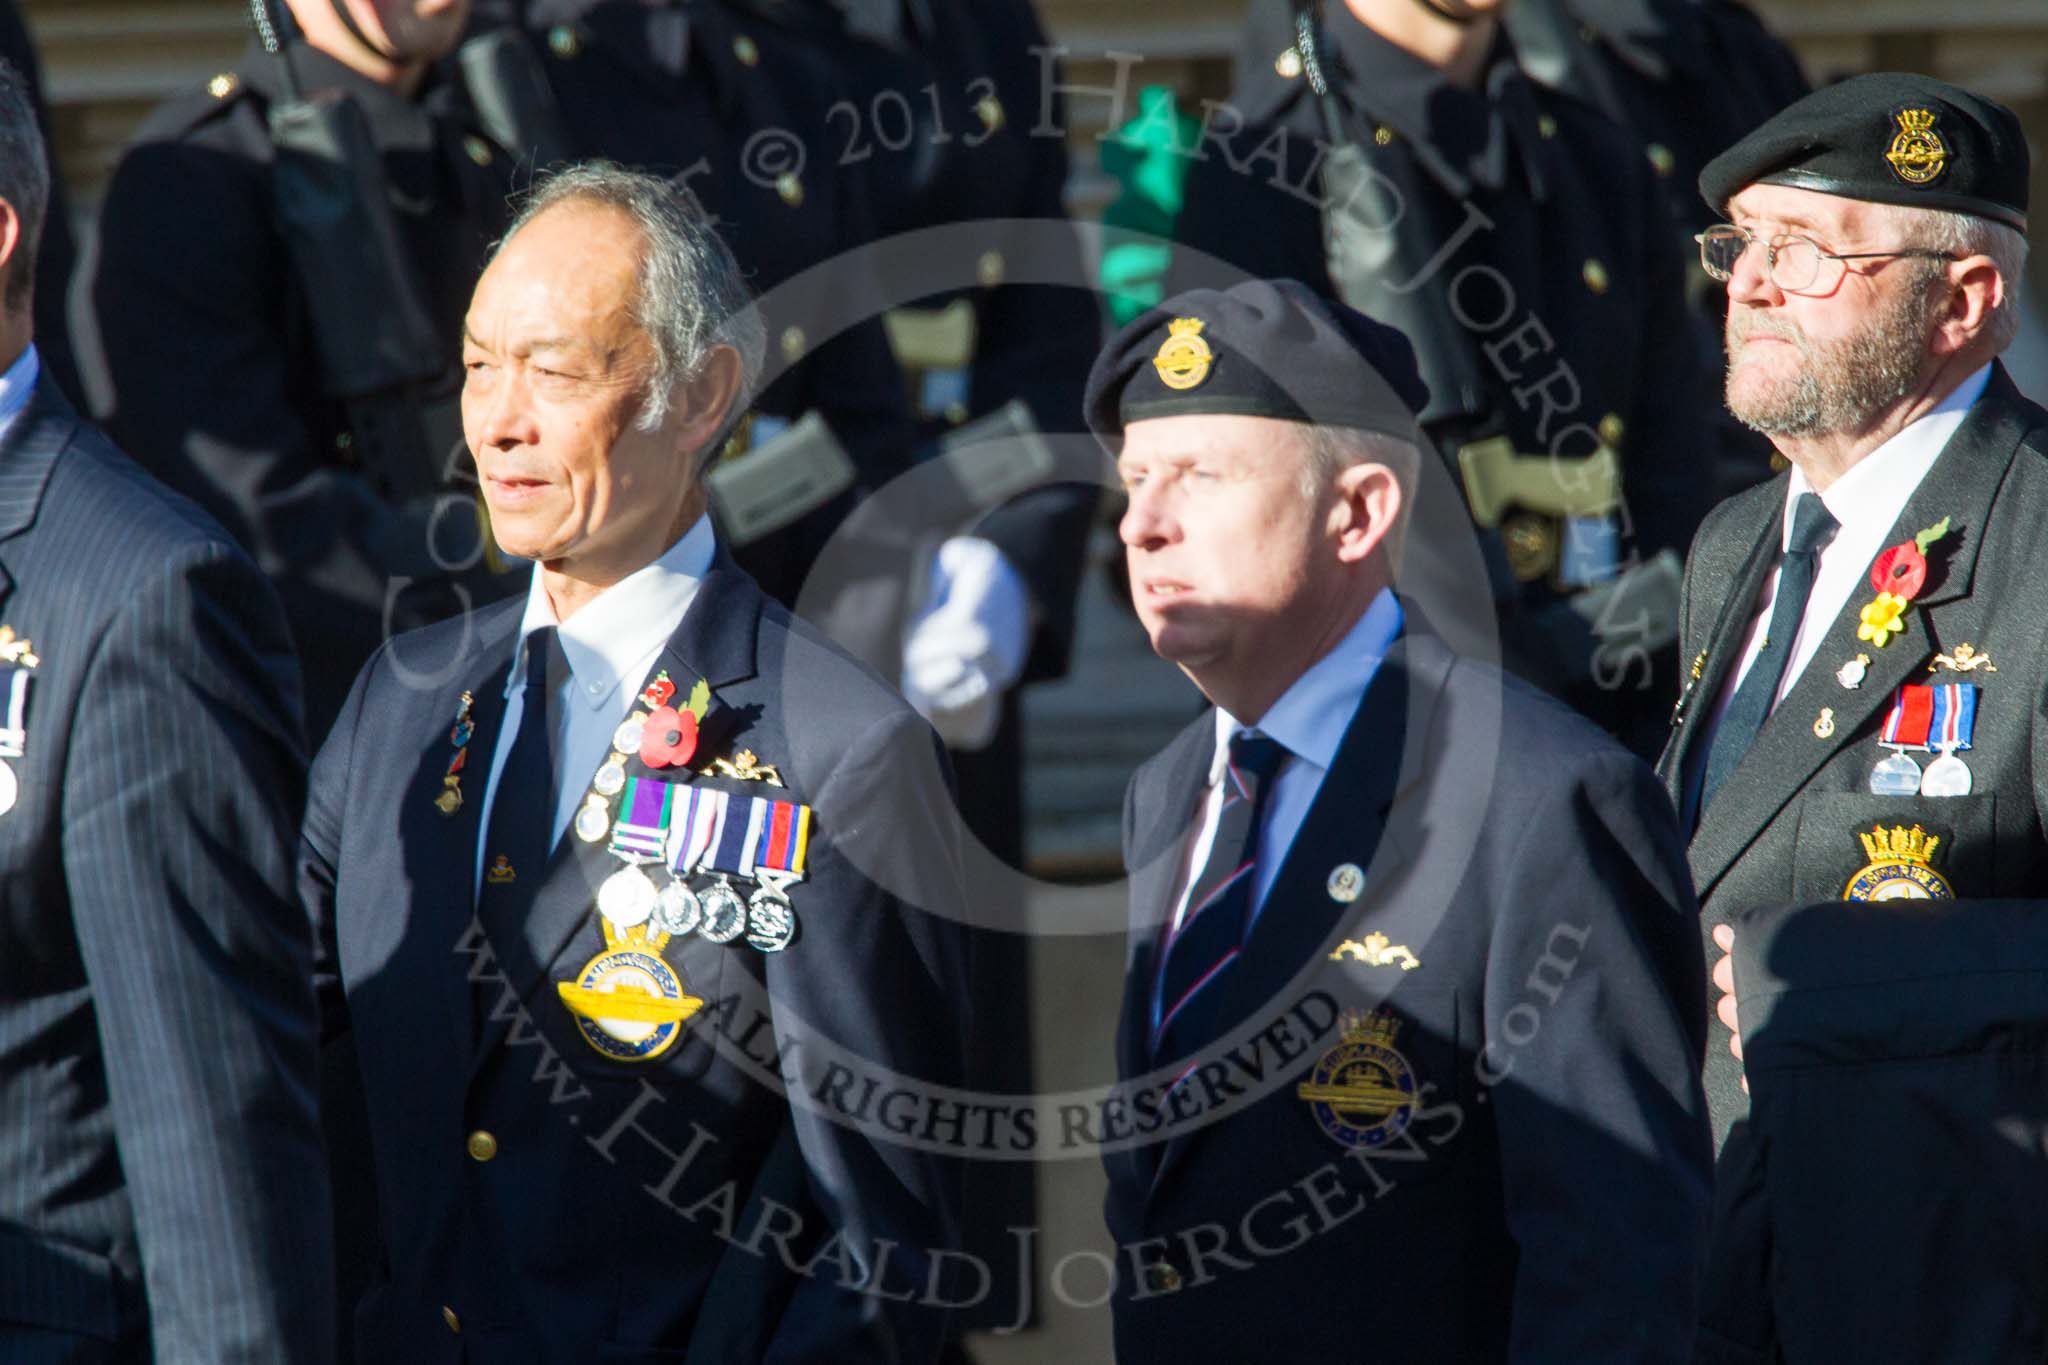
1184	358
1917	155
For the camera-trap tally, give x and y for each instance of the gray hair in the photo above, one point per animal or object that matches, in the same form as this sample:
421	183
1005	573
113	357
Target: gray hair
1332	450
24	180
1965	234
692	297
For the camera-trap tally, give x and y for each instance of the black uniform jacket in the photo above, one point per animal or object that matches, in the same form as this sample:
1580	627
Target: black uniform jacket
969	85
1545	1195
212	366
1519	224
1882	1200
688	1207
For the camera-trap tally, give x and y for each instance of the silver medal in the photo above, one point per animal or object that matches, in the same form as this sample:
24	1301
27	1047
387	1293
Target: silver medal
725	915
610	779
1897	775
1946	776
770	925
594	821
10	789
626	739
677	910
626	898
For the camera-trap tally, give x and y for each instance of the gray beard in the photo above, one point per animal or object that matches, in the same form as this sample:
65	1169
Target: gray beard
1842	385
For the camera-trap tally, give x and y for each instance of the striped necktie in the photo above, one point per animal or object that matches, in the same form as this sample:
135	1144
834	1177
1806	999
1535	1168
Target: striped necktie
1199	951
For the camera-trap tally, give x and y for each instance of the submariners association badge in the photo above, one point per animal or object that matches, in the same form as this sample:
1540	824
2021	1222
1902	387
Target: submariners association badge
1917	155
1362	1092
1183	359
1899	867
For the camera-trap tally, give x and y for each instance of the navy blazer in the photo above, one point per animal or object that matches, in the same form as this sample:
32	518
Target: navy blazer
162	1191
1547	1195
684	1208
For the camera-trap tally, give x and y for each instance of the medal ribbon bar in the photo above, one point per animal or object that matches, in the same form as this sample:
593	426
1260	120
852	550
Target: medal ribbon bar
642	832
1911	717
1954	715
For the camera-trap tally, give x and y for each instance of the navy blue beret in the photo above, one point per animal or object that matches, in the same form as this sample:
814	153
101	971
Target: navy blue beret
1263	348
1890	138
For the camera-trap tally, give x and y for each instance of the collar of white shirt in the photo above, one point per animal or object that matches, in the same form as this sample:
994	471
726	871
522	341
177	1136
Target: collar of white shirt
1874	490
621	629
1311	716
17	386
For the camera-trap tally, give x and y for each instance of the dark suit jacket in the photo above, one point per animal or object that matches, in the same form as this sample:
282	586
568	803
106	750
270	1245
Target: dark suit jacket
1782	830
162	1191
573	1242
1897	1155
1548	1197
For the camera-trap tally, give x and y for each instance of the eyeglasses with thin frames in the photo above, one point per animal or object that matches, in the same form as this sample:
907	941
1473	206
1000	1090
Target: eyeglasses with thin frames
1792	262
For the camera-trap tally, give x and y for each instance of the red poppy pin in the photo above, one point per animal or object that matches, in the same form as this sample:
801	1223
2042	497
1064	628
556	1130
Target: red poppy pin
1897	576
669	737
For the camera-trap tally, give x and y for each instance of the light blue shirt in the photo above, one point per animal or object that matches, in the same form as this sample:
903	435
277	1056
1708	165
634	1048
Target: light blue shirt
611	643
17	386
1309	721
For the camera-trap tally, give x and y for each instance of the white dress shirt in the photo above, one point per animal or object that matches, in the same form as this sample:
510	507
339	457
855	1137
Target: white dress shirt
1864	502
17	386
1308	721
611	644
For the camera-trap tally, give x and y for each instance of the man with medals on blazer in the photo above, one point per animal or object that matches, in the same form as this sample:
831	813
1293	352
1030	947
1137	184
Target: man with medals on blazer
1411	1017
636	892
1862	725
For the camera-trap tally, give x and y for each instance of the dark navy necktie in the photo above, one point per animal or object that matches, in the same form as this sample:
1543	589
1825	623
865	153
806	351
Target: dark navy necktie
1812	528
1198	953
521	833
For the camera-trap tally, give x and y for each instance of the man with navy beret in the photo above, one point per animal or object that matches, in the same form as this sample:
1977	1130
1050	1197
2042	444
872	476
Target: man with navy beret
1412	1009
1866	653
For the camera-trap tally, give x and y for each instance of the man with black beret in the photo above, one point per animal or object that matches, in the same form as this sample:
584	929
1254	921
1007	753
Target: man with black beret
1412	1010
1867	654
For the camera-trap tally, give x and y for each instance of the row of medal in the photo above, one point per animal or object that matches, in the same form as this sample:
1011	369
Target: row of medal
1926	717
670	832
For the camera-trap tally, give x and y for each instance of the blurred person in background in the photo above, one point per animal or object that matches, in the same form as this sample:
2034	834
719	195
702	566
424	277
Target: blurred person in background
1393	154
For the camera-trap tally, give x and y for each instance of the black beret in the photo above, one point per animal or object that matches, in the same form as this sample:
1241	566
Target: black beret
1263	348
1890	138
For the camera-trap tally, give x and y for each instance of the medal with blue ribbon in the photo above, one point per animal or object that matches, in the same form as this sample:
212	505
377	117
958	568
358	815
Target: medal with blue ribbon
778	836
698	814
765	842
1954	717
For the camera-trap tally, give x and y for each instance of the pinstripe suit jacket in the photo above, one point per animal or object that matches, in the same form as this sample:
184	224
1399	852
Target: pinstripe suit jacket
162	1194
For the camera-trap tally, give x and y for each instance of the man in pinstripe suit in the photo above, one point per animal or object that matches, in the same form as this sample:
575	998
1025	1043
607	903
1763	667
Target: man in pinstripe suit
162	1195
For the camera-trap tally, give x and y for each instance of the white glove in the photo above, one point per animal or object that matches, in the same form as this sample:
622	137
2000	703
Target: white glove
968	645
